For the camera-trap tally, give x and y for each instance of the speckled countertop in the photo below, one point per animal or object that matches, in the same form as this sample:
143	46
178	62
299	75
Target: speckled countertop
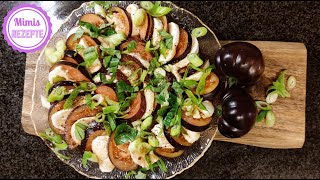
25	156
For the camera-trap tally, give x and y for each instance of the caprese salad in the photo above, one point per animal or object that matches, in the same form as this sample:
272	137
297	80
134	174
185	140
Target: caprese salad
127	88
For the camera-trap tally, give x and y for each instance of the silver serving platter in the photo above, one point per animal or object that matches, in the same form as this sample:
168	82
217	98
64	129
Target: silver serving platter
209	44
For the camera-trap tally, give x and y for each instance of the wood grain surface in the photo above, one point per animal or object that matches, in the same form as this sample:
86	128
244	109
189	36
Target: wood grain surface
289	129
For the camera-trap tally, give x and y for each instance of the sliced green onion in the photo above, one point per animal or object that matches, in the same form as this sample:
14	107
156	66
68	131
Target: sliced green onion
131	46
147	5
291	82
153	141
263	105
87	155
163	49
270	119
139	17
162	165
111	109
48	86
141	175
157	10
107	127
56	151
98	9
175	130
202	82
57	94
146	123
261	116
195	59
272	97
195	100
190	84
148	47
61	46
127	176
143	75
100	117
199	32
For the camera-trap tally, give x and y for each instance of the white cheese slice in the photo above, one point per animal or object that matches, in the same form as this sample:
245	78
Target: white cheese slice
190	136
175	32
163	142
138	151
44	102
115	19
85	120
149	95
132	9
156	37
58	71
144	62
59	118
100	149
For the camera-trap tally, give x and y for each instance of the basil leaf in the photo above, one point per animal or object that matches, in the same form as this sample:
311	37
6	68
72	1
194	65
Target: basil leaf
111	52
170	115
124	133
127	101
107	31
88	100
162	165
69	102
113	65
131	46
162	111
177	88
80	128
168	39
154	62
161	98
87	155
111	119
90	54
94	31
107	127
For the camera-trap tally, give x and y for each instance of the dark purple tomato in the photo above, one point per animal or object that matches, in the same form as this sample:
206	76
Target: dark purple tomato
241	61
239	113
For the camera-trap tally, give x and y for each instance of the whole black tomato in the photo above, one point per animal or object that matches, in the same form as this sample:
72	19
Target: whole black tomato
240	60
239	113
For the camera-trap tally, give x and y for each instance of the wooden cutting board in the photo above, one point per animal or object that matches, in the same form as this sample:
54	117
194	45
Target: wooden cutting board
289	130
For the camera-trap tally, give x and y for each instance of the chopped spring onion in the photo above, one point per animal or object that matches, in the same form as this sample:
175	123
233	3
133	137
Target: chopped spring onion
90	54
199	32
195	100
139	17
155	10
270	119
55	139
140	175
175	130
279	85
98	9
107	127
272	97
48	86
57	94
131	46
202	82
61	46
195	59
148	47
147	5
291	82
153	141
263	105
261	115
87	155
146	124
100	117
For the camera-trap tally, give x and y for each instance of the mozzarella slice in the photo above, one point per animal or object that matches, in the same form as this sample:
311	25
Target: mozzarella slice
85	120
100	149
144	62
132	9
58	71
197	76
163	142
59	118
157	27
138	151
44	102
175	32
190	136
115	19
149	102
210	109
184	62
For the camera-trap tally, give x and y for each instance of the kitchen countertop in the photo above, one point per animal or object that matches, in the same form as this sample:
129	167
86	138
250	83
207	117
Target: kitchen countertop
26	156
